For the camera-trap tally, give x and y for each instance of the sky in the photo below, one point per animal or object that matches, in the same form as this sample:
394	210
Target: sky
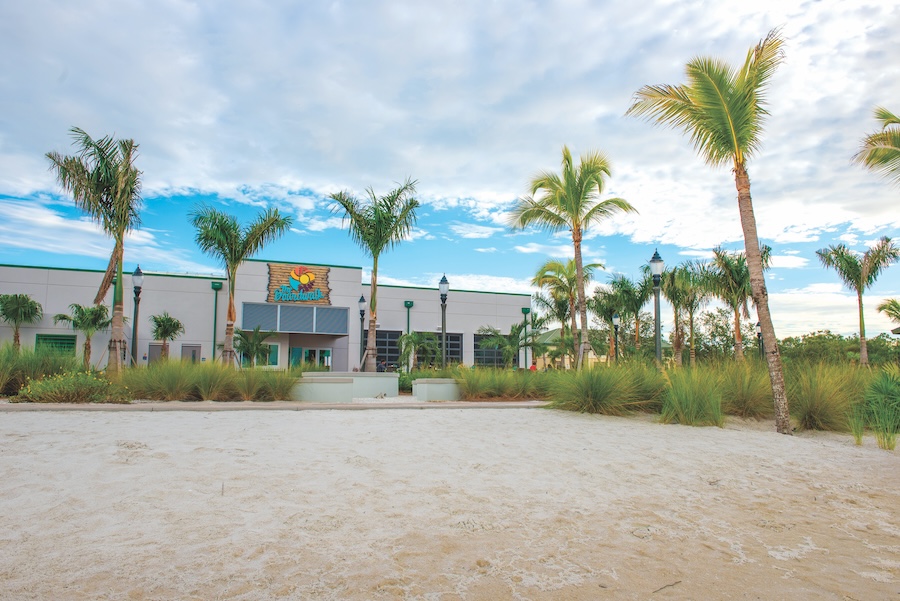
248	105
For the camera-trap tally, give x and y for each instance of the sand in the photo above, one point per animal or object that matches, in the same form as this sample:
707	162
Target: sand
435	505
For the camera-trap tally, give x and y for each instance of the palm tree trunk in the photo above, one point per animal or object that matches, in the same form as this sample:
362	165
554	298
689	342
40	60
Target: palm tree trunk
761	300
863	347
584	345
116	357
16	341
230	318
573	309
86	360
637	332
691	329
165	349
676	339
371	364
738	341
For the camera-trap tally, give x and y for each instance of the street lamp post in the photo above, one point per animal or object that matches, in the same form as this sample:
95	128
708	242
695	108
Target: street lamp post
759	340
525	312
362	318
616	337
444	288
656	269
216	286
137	279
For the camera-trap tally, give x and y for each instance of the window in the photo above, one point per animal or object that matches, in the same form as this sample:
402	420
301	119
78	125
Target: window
273	354
454	350
385	345
62	343
489	357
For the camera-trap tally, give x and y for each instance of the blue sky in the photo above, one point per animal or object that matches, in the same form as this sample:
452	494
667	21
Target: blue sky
248	105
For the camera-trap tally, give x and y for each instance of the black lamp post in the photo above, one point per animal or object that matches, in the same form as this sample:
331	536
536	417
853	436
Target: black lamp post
362	318
759	340
137	279
444	288
525	312
656	269
616	337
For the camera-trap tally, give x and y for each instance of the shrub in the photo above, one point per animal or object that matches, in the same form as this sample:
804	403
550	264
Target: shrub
73	387
491	383
163	380
693	398
649	384
279	383
28	364
883	407
251	385
214	382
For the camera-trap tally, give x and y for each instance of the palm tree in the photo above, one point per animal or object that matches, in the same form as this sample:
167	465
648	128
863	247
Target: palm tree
106	185
413	343
634	295
88	320
881	151
220	236
252	344
695	294
858	274
571	201
166	328
891	308
557	308
728	278
18	309
604	304
561	280
672	288
377	224
509	344
722	110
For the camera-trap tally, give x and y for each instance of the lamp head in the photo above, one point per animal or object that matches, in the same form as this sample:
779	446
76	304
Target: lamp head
526	310
616	320
137	278
758	328
444	286
362	304
656	264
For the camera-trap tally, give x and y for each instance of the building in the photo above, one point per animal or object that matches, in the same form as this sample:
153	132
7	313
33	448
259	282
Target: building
312	309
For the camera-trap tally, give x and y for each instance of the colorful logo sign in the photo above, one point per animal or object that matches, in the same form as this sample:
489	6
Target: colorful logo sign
298	284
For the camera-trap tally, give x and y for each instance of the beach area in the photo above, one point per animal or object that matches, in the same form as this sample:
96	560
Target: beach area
438	505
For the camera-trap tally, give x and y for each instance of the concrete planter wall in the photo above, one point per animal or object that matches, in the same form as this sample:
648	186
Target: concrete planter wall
435	389
343	387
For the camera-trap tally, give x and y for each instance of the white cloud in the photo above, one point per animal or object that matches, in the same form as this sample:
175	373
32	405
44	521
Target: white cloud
490	249
788	262
561	251
471	230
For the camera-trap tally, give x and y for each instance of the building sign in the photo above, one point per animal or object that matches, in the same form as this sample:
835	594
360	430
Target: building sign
292	283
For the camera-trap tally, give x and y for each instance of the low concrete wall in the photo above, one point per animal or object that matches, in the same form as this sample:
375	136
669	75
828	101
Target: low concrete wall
435	389
323	390
365	385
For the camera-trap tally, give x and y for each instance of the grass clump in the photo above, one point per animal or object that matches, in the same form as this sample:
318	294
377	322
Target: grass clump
823	395
28	364
489	383
73	387
693	397
746	390
214	382
596	390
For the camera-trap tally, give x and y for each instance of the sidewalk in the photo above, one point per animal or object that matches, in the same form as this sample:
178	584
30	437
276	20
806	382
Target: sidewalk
6	406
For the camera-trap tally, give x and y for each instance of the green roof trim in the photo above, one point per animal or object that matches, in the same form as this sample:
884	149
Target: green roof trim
302	263
157	274
522	294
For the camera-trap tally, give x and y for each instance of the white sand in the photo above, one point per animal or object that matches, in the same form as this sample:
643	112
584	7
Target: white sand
438	505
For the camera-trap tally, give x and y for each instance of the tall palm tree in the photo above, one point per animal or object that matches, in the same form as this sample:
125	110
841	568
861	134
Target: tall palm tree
377	224
219	235
106	185
18	309
634	295
728	278
891	308
561	280
571	201
166	328
88	320
859	273
880	151
722	109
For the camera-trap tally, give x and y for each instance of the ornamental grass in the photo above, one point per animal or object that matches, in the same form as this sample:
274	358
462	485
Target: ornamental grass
693	397
73	387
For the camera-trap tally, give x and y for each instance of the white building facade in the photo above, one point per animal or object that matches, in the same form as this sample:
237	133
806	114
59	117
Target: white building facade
313	311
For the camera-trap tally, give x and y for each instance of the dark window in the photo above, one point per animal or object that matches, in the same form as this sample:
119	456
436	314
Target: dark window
385	346
62	343
489	357
454	349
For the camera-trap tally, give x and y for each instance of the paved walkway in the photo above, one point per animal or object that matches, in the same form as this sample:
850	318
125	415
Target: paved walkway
6	406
